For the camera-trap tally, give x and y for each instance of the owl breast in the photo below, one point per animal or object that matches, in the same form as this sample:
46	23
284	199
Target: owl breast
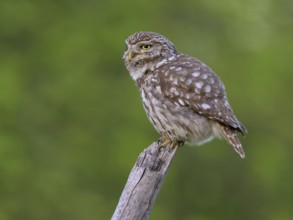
171	119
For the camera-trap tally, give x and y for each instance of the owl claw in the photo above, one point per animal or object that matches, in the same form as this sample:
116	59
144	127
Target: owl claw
164	142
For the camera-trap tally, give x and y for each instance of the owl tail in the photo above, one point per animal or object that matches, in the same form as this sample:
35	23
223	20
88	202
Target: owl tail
231	136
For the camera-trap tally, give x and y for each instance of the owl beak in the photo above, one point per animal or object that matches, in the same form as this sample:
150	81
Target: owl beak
130	55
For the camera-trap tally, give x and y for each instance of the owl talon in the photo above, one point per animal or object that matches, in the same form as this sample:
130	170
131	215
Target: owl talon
177	144
180	143
164	142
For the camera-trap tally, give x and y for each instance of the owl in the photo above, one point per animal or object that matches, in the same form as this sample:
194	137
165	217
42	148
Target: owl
184	99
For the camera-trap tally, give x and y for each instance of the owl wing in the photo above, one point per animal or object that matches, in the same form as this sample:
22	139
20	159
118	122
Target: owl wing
188	82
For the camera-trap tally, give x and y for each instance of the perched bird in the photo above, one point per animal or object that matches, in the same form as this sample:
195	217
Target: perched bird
183	98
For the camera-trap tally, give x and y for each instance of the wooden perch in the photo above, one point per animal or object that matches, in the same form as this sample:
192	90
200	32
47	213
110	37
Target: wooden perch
144	183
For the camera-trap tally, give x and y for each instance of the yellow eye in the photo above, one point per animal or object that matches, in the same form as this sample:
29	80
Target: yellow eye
146	46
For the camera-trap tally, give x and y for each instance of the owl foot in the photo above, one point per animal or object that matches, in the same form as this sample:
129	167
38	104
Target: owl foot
164	142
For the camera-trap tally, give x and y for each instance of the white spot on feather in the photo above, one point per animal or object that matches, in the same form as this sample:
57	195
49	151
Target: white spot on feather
204	76
188	81
195	74
160	63
199	84
211	80
173	90
197	91
207	88
172	58
158	88
175	81
205	106
180	102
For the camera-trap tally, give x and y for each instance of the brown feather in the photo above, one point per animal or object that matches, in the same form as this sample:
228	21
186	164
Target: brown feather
231	137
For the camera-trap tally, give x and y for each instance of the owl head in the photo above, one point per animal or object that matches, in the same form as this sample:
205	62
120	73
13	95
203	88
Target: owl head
145	50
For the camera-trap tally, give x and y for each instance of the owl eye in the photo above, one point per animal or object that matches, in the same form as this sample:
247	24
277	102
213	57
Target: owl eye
146	46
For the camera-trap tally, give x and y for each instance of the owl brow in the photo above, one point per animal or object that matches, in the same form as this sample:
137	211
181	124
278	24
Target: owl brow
146	42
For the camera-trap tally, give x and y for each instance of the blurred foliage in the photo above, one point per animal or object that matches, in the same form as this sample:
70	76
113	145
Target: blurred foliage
72	122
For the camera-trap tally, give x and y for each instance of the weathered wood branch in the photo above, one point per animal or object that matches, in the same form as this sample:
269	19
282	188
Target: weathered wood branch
144	183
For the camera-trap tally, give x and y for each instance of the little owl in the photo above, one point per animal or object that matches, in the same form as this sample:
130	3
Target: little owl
183	98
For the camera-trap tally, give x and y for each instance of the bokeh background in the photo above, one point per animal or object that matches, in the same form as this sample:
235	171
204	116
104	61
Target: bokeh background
72	123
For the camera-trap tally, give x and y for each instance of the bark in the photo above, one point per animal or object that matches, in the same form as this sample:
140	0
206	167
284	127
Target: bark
144	183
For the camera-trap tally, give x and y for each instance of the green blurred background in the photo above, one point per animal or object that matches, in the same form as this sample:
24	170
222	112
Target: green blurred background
72	123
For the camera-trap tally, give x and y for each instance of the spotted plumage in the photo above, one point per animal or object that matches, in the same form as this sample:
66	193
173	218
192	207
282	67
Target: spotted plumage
183	98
